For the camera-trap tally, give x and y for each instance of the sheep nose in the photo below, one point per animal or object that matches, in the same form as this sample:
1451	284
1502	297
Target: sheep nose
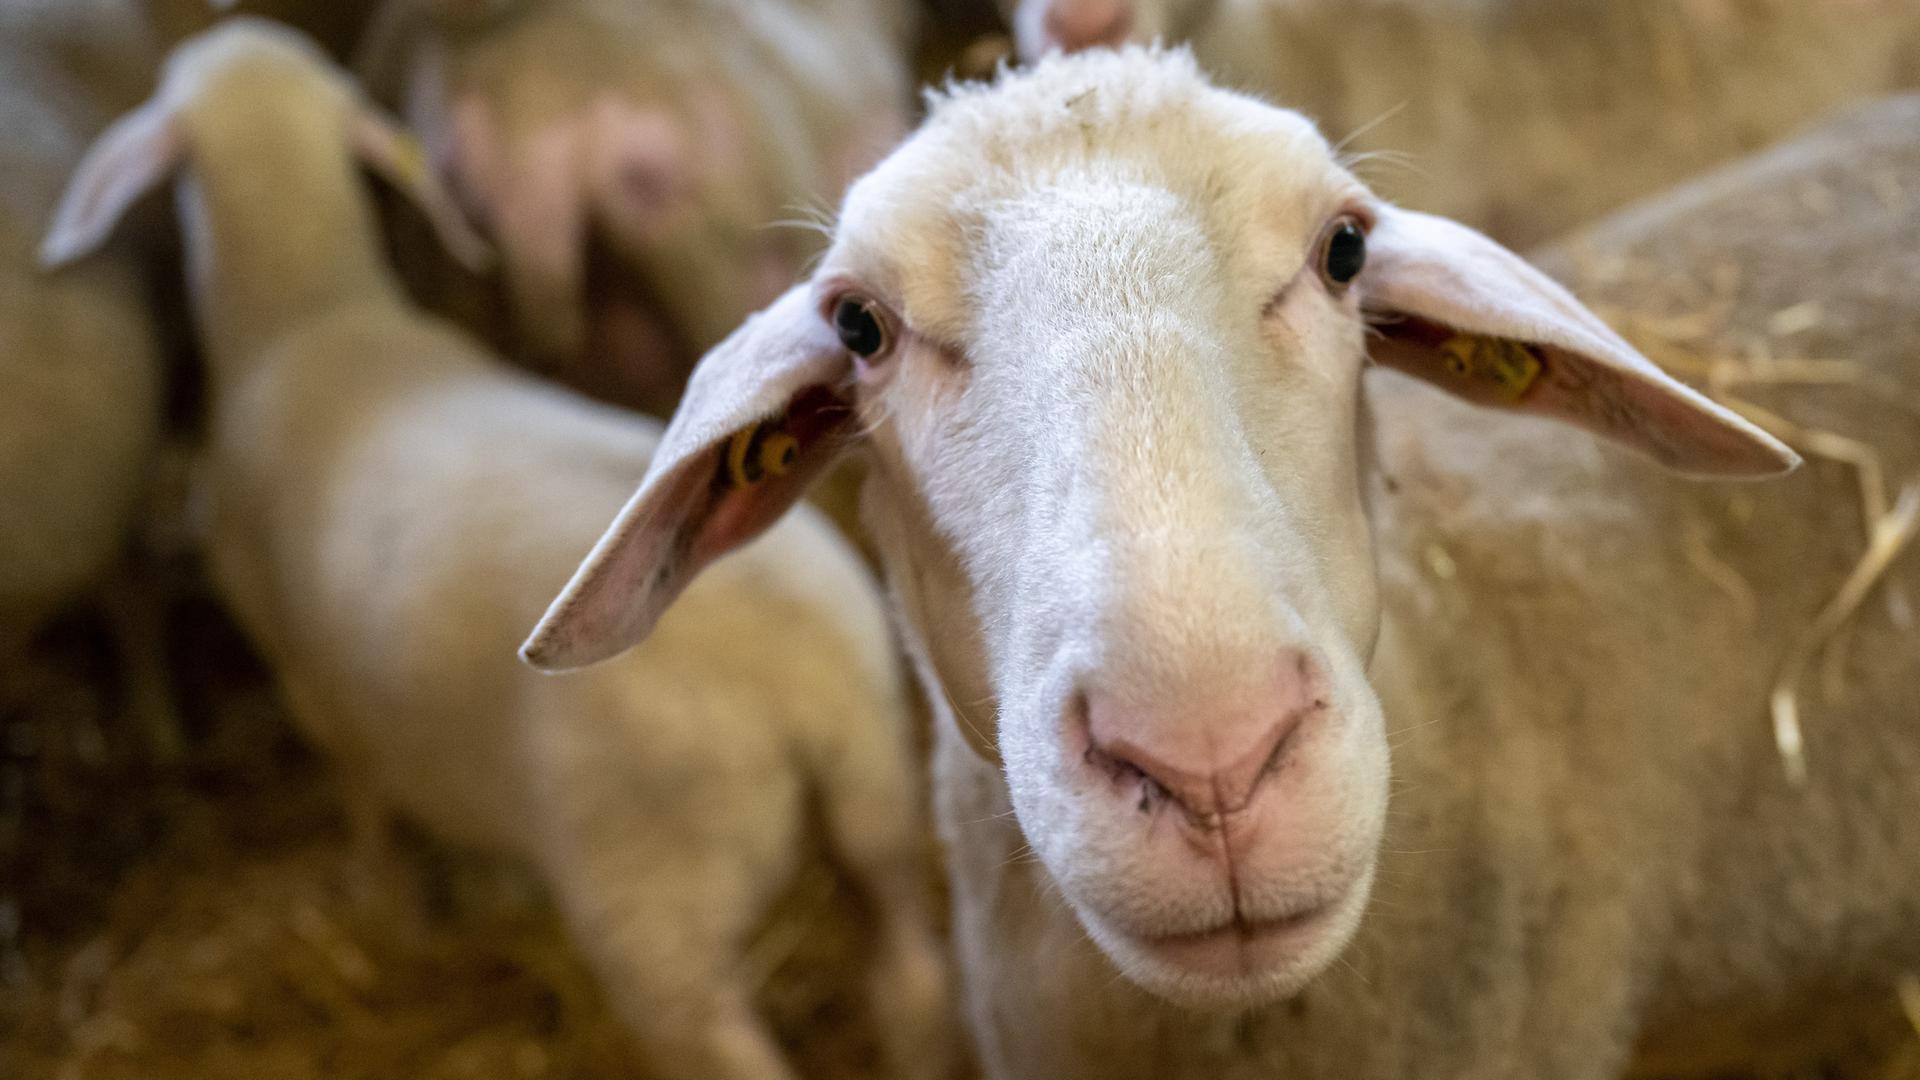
1213	756
1082	24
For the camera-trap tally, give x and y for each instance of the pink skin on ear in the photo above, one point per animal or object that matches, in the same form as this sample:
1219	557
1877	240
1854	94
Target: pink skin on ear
675	527
784	368
816	420
1458	310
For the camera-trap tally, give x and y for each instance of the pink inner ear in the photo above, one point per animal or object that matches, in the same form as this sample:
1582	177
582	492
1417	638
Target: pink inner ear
1614	404
713	518
818	420
1586	394
1413	346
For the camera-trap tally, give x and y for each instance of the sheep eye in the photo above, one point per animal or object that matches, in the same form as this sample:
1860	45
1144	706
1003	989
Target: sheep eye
858	327
1346	252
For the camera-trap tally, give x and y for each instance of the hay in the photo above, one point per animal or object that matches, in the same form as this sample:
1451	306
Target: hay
1691	345
1698	549
1910	999
1892	533
212	919
1869	473
1905	1064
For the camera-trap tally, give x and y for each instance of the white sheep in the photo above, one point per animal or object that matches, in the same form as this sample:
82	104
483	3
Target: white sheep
642	166
80	351
391	506
1101	329
1524	117
80	366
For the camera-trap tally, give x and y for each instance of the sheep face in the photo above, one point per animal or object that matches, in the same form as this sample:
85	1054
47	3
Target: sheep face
1103	327
1117	397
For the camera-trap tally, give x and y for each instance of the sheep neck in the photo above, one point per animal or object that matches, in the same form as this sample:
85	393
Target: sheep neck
278	242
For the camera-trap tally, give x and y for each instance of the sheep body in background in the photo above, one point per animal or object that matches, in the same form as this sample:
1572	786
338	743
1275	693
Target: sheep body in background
390	507
671	146
1178	578
1810	251
79	352
1525	117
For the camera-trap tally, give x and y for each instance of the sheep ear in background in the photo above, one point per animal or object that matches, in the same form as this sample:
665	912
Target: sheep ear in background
1455	309
399	158
764	414
533	196
130	158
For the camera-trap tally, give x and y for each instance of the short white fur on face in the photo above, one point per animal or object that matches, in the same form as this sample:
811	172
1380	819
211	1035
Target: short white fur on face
1127	399
1103	327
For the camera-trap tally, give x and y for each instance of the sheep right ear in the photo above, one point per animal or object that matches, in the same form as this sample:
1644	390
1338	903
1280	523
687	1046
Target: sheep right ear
397	156
767	410
1455	309
130	158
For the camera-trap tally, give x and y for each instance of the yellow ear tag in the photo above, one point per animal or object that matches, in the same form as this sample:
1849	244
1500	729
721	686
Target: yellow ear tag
1511	366
755	453
777	453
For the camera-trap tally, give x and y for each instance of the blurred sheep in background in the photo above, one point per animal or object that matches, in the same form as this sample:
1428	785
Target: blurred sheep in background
84	355
392	507
656	185
391	504
1523	117
80	353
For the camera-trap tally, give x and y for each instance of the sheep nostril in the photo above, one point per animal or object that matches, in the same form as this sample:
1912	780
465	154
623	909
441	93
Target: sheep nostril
1153	793
1118	769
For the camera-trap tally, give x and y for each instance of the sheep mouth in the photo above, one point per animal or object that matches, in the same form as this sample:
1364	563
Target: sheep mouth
1242	946
1245	961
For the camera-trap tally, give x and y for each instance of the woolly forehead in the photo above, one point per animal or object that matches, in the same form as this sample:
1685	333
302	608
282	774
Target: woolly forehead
1134	135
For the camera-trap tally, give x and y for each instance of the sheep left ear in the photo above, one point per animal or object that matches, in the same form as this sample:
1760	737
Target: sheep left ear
131	158
1455	309
766	412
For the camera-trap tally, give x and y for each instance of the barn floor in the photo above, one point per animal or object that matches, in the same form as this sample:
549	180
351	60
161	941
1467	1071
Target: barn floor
207	917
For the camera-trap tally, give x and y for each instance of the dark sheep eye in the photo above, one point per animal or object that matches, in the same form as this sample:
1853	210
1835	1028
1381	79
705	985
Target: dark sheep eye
859	329
1346	252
